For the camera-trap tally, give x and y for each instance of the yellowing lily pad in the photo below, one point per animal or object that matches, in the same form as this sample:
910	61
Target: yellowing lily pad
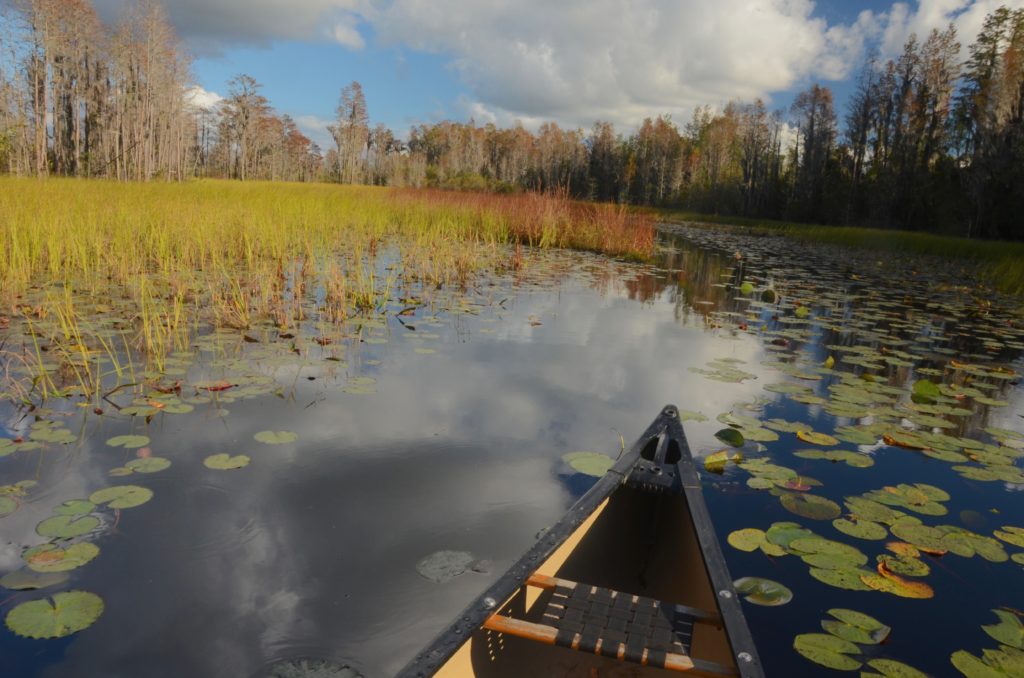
816	438
148	464
890	668
52	558
64	614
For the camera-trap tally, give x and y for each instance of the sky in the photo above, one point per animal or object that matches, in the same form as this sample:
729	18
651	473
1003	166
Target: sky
569	61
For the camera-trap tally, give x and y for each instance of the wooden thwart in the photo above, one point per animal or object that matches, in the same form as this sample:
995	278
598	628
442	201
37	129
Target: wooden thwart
548	635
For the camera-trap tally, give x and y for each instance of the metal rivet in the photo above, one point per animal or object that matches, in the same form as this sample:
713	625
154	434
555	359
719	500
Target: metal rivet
489	603
744	657
725	594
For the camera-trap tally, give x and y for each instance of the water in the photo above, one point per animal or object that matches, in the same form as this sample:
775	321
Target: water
450	436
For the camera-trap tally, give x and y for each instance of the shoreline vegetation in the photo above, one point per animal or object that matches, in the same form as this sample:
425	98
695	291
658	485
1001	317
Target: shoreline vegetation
1000	263
100	276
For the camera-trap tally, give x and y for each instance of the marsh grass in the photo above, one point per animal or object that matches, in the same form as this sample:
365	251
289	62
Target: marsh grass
104	275
999	263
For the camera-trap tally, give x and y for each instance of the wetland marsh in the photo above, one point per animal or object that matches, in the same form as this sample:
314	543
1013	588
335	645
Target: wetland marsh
231	439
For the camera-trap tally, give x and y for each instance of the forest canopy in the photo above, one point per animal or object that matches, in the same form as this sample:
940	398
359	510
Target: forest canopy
930	140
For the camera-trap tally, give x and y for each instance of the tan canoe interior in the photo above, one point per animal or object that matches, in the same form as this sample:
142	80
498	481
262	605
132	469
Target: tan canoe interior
622	546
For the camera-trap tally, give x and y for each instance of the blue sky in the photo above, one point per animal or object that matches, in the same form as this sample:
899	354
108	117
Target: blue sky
571	61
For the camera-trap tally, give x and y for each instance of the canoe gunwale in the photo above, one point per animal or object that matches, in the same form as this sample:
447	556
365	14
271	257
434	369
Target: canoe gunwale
666	425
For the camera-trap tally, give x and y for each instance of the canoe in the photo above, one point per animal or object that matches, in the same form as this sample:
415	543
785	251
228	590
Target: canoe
630	582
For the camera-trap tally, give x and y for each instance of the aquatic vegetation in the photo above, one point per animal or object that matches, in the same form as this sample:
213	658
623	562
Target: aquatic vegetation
589	463
67	613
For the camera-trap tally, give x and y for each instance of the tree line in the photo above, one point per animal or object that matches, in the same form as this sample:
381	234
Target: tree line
927	141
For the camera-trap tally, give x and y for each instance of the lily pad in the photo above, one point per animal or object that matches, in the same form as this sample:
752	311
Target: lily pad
443	566
26	579
225	462
715	462
849	579
589	463
810	506
148	464
75	507
130	442
1009	534
276	437
890	668
862	529
65	527
8	505
827	650
730	436
65	614
52	558
1009	630
763	592
816	438
122	496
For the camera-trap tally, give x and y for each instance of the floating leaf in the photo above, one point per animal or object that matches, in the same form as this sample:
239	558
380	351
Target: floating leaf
65	527
443	566
890	668
225	462
122	496
8	505
687	415
589	463
75	507
52	558
888	582
747	539
276	437
715	462
1009	534
816	438
849	579
972	667
810	506
910	567
129	442
783	534
861	620
730	436
862	529
68	613
148	464
26	579
926	390
764	592
1009	630
827	650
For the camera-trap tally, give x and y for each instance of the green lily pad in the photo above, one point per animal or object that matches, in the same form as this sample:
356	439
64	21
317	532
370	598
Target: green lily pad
862	529
129	442
763	592
589	463
906	566
65	527
225	462
52	558
65	614
1009	630
26	579
748	539
8	505
860	620
1009	534
814	438
849	579
847	632
75	507
687	415
890	668
926	390
827	650
972	667
730	436
810	506
276	437
148	464
783	534
122	496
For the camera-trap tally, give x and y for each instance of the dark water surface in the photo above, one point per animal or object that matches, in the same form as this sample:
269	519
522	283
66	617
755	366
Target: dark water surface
449	436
